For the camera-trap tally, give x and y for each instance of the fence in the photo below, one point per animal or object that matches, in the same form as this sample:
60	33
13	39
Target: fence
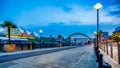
112	49
32	45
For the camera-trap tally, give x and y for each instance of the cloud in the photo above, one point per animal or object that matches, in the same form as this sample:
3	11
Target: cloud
114	11
116	2
73	15
114	8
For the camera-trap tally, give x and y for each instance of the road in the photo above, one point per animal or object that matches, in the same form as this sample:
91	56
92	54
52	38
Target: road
7	58
81	57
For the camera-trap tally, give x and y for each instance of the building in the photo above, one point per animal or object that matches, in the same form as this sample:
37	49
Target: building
117	29
34	34
20	33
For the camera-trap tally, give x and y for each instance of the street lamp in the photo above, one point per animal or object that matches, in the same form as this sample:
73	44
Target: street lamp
97	7
41	31
95	34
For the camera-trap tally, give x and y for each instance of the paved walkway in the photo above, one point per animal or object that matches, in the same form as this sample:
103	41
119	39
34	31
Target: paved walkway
27	51
81	57
12	57
108	59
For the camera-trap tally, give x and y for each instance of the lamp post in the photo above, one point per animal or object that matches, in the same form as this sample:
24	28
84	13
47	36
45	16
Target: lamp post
50	40
97	7
41	31
95	34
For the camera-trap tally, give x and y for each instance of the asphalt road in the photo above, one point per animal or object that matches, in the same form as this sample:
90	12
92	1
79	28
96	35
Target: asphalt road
7	58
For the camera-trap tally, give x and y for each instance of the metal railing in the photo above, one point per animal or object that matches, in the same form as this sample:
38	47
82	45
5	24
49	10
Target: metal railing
32	45
113	50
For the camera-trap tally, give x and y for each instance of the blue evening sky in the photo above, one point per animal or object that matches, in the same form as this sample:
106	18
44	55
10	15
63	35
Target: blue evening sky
61	16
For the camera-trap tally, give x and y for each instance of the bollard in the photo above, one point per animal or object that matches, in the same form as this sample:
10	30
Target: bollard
106	65
107	48
95	49
100	61
111	51
98	52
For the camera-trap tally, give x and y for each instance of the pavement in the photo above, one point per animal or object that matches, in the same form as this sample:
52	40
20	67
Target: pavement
10	57
111	61
26	51
80	57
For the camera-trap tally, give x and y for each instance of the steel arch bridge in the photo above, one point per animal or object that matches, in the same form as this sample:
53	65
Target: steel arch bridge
78	33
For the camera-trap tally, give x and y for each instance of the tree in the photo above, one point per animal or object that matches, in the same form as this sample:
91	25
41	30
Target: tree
100	33
9	25
116	37
59	37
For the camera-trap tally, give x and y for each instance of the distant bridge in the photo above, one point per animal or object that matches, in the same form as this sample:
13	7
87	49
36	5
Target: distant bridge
78	33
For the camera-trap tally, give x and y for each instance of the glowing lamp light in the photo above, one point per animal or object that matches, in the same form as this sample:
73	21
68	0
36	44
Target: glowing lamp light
98	6
41	31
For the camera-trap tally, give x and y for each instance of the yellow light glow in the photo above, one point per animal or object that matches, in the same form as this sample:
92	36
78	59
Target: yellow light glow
41	31
98	6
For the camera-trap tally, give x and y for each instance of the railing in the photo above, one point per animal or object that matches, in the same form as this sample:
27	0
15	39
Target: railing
32	45
112	49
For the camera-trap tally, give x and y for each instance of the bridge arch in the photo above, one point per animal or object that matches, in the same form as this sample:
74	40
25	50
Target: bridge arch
79	33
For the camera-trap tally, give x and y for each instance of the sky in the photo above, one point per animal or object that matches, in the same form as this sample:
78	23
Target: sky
63	17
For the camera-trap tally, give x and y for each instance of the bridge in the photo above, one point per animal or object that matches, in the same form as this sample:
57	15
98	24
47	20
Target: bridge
78	38
79	33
